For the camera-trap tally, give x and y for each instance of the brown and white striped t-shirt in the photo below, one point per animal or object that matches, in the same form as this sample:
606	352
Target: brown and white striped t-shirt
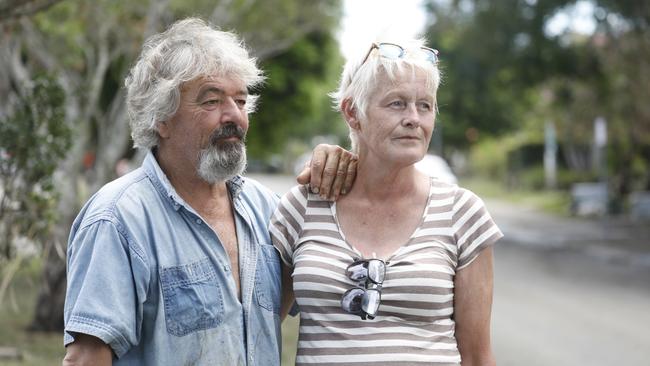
414	324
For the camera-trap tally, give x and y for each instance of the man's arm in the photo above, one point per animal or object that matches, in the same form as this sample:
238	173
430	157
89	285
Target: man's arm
472	310
331	171
288	297
87	350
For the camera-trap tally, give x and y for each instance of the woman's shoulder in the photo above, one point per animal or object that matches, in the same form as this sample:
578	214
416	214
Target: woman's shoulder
300	191
303	191
301	194
442	189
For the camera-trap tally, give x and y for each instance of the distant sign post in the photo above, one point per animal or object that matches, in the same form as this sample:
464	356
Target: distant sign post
598	149
550	155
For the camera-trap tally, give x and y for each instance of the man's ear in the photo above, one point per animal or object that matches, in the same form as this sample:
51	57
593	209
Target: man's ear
163	129
350	113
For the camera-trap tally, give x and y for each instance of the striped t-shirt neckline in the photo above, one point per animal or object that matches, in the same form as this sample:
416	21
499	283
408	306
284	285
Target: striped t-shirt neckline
333	208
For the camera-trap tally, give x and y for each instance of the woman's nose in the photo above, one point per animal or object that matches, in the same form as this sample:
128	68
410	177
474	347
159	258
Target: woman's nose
412	117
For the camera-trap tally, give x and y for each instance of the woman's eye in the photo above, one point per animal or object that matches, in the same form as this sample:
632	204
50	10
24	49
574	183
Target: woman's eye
397	104
425	106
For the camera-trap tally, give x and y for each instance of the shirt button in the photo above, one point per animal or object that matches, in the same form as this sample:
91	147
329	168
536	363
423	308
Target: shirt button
198	221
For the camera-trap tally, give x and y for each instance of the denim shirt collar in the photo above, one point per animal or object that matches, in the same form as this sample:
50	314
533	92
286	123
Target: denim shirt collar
164	186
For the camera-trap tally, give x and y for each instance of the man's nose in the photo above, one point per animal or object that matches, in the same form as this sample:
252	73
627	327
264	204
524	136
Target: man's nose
231	111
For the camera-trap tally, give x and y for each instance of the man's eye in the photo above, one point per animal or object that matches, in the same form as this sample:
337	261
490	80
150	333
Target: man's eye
211	102
241	102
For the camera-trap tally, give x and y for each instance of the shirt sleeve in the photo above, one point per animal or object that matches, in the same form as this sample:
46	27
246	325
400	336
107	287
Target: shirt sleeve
473	227
287	222
107	283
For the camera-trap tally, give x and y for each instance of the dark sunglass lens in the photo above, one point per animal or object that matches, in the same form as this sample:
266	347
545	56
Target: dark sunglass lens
352	300
357	272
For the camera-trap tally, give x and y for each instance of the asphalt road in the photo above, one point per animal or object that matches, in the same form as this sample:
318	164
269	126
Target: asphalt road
558	303
560	307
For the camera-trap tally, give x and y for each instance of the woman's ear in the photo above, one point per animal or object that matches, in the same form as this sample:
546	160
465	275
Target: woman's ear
350	113
163	129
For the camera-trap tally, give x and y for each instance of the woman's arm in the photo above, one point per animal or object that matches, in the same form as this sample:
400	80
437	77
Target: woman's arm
472	310
287	291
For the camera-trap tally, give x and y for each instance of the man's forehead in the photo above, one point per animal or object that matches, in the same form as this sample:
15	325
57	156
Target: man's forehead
225	84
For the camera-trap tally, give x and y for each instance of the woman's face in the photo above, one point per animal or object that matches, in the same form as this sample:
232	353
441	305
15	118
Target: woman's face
399	120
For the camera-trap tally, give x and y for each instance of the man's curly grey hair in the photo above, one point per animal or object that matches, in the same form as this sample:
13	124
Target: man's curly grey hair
188	50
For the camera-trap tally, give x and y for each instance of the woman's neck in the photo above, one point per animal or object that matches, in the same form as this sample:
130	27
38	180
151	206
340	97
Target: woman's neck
377	180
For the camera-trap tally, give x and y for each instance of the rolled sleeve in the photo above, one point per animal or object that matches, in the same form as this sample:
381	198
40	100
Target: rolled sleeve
106	282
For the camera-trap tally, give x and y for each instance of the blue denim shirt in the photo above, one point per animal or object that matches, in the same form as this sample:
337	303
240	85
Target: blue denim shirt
150	278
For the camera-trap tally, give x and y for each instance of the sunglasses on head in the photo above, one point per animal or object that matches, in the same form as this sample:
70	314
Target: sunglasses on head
364	301
394	51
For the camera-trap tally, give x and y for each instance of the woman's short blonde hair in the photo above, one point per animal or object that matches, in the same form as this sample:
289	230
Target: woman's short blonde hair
360	76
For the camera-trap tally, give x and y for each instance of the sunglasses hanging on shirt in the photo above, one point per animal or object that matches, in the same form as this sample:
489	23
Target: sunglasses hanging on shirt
364	301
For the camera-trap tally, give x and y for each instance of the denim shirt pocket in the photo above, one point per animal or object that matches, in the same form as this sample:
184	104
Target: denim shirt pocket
268	279
192	297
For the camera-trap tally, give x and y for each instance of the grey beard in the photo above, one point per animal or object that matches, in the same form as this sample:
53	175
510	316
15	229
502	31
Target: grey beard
221	163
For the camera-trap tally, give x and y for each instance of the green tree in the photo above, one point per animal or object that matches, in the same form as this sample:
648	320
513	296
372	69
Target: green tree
34	136
504	72
493	54
613	83
16	8
294	102
89	46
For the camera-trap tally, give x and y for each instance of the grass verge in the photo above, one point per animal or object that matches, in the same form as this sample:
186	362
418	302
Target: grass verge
16	311
552	202
290	340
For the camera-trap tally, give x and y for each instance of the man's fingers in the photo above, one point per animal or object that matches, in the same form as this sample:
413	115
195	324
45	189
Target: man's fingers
318	160
341	173
304	175
349	177
332	171
329	171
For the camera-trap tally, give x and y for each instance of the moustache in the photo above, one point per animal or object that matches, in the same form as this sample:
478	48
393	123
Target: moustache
227	131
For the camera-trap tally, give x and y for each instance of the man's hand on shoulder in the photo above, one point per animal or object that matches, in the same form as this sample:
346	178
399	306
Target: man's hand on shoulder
87	350
330	172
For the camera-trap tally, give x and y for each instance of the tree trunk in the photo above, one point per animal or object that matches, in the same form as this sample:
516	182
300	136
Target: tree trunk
48	314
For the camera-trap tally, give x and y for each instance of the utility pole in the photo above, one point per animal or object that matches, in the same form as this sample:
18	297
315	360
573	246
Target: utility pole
598	161
550	155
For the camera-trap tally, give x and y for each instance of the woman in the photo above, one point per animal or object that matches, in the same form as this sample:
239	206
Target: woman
399	270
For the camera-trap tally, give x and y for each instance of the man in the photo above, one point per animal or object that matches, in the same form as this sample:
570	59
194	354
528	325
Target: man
172	264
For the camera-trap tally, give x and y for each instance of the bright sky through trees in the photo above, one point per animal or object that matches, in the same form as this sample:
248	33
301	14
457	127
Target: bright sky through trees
365	20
